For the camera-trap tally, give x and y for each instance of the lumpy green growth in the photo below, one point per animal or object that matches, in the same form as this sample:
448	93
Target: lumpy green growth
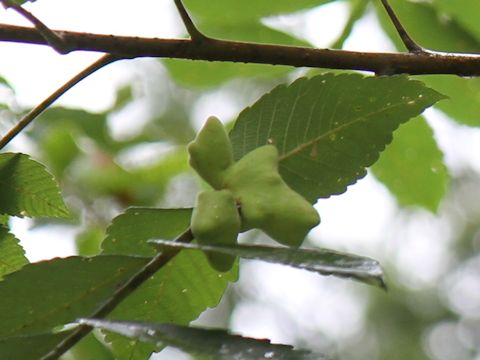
266	201
215	220
211	153
249	194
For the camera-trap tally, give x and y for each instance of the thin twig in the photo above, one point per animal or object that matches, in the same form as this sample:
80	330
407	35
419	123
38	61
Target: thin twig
194	33
119	295
55	40
410	44
37	110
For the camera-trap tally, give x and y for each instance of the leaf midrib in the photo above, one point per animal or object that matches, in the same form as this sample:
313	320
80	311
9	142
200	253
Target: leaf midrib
317	139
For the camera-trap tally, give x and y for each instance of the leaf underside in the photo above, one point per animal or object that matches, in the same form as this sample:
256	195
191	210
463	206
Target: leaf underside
211	343
322	261
328	128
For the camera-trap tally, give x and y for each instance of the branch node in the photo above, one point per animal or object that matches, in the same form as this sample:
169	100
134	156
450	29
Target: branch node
192	30
55	40
409	43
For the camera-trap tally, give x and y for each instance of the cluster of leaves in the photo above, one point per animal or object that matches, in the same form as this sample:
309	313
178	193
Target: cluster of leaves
328	129
318	127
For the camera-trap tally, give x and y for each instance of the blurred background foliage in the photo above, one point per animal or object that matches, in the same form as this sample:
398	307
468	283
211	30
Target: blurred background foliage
133	154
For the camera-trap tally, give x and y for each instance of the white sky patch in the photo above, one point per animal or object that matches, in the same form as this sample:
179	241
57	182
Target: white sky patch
458	142
356	220
420	250
462	289
216	104
287	304
367	35
320	26
44	242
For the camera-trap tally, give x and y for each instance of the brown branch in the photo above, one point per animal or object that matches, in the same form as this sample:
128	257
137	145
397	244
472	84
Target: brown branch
37	110
53	39
119	295
231	51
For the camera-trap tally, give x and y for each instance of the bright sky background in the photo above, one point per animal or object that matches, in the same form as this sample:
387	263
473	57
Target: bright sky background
359	221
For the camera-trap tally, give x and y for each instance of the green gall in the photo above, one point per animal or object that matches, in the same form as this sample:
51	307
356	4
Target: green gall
211	152
215	221
266	201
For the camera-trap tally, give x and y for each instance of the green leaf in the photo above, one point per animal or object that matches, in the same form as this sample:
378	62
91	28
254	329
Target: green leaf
151	181
178	292
464	12
59	147
91	348
207	74
27	189
52	293
5	82
129	232
422	20
212	343
12	255
124	96
329	128
172	126
29	347
78	122
89	240
142	185
234	12
463	103
412	166
322	261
